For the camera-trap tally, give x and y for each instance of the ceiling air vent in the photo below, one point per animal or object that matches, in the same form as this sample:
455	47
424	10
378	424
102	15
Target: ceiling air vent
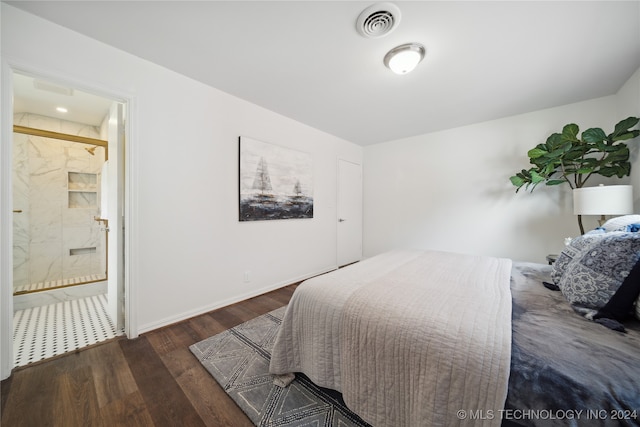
378	20
52	87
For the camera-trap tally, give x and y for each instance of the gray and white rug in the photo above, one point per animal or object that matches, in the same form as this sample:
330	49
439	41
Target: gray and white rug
238	359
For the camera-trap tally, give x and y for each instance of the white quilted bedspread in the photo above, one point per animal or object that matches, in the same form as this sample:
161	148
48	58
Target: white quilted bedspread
409	337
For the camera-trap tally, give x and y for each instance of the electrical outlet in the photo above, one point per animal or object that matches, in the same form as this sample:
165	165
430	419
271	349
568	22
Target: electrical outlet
247	276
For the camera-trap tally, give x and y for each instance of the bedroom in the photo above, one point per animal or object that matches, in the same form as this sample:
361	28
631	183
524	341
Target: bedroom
190	253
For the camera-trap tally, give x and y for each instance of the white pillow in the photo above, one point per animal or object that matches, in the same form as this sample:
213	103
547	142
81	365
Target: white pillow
620	223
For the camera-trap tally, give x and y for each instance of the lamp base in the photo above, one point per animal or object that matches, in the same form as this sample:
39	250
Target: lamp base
602	220
580	225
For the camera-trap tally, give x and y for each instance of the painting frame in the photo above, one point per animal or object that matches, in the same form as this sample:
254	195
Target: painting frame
274	182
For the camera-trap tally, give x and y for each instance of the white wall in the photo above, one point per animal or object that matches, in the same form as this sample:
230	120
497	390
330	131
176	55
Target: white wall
628	104
189	252
450	190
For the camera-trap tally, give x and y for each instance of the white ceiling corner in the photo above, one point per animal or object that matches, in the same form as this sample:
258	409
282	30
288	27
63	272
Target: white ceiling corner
306	60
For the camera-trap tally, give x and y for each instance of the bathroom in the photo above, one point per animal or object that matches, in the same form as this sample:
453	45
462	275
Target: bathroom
60	227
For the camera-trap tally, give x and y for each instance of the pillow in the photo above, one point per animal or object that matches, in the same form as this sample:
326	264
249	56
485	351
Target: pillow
621	223
638	308
595	273
572	250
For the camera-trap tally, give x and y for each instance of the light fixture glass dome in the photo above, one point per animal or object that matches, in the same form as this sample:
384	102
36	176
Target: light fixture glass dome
404	58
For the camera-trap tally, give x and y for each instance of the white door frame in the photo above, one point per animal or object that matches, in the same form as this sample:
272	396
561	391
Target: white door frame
8	67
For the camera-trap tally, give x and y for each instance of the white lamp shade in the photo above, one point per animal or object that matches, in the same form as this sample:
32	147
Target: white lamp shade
603	200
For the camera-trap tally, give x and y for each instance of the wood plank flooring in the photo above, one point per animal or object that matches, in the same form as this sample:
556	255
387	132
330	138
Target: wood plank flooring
153	380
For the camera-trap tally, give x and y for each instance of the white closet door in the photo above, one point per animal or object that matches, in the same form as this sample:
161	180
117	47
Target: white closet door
349	212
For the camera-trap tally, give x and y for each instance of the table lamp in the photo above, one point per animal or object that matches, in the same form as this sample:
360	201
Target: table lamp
602	200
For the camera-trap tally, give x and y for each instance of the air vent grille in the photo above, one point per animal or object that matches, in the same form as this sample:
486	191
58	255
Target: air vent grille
52	87
378	20
378	24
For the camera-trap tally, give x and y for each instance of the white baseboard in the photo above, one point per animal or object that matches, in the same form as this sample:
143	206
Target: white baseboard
219	304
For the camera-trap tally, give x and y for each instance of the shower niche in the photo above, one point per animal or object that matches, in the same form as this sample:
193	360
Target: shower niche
83	190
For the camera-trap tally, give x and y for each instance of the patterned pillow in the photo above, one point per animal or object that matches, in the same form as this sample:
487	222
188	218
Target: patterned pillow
638	308
577	245
594	274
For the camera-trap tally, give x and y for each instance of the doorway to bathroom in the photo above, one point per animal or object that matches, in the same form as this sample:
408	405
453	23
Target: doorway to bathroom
67	183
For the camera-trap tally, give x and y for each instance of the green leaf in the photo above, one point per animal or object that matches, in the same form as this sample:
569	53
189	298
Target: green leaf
566	146
589	162
608	171
553	141
555	181
625	169
624	125
570	132
594	135
536	178
574	154
625	136
620	154
555	154
517	181
534	153
605	148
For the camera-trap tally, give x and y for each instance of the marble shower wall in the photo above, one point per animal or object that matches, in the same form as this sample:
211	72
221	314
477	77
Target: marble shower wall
56	185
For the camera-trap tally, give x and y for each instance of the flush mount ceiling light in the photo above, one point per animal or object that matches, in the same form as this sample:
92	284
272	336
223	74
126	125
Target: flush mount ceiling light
404	58
378	20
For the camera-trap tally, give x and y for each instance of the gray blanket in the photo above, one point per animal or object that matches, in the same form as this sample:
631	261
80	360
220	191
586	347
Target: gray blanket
565	369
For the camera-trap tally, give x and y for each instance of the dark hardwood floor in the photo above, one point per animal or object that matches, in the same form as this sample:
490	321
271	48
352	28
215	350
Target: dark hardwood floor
153	380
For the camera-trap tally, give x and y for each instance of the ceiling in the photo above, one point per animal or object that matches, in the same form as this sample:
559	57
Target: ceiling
42	97
305	59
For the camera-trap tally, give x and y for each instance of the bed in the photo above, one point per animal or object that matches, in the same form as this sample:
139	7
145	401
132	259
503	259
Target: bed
434	338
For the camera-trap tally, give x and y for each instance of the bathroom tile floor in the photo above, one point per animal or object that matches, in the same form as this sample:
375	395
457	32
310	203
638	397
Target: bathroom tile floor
50	330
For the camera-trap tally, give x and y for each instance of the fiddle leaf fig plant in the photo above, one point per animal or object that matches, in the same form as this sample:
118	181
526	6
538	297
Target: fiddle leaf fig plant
567	157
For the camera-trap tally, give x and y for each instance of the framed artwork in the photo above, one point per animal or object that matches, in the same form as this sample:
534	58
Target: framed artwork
275	182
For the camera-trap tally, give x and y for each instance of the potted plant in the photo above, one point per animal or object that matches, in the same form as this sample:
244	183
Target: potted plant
567	158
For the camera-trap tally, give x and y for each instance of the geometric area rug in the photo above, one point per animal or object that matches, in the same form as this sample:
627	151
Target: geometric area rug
238	359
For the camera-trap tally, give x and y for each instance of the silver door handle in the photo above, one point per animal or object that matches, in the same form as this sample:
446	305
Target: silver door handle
341	220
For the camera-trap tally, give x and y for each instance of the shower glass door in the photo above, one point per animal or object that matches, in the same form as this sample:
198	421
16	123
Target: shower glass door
59	235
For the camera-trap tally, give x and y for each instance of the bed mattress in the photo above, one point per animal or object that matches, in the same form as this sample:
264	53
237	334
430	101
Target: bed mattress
564	370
